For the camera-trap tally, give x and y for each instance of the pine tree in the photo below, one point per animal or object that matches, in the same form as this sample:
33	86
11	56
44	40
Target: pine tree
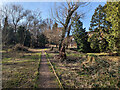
42	40
10	36
113	15
99	28
79	34
27	38
21	34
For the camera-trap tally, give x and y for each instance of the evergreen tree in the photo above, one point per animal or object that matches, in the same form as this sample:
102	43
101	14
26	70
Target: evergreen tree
99	28
21	35
113	15
79	34
94	42
27	38
42	40
10	40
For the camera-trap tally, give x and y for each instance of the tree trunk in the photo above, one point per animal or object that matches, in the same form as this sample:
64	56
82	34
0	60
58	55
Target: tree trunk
65	25
69	28
62	53
62	38
67	42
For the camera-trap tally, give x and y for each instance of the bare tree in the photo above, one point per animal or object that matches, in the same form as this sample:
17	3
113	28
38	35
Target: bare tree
53	35
17	14
4	13
4	22
49	23
63	14
33	24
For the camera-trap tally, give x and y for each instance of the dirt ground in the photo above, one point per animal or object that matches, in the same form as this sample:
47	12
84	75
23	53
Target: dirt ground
46	77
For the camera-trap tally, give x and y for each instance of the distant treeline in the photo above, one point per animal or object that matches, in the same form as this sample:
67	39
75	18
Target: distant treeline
27	28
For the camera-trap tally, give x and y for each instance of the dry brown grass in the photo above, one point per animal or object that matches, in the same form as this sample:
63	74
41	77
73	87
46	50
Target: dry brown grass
79	71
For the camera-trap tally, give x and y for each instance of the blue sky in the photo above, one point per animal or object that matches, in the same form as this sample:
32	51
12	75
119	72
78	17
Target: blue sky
45	8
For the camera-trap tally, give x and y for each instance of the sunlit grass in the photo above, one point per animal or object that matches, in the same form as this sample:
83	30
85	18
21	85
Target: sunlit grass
18	61
19	69
98	54
39	50
2	51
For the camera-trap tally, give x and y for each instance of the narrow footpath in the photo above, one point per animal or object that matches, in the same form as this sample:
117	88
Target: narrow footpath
46	78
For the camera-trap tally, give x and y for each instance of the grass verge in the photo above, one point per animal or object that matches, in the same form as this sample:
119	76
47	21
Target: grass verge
37	72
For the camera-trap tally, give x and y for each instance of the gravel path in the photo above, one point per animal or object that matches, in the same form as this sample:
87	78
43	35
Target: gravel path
46	77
